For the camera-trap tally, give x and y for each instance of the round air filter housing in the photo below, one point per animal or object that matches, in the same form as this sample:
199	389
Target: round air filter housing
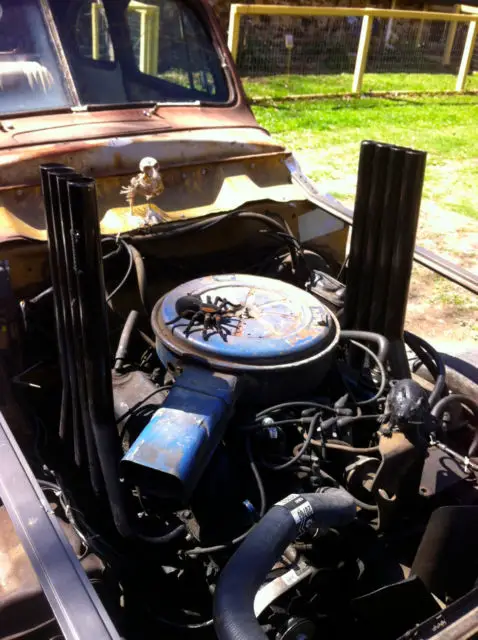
274	333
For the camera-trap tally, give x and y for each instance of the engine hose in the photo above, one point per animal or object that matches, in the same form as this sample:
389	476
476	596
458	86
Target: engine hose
247	570
381	341
429	356
181	228
149	341
443	404
197	551
184	625
126	276
343	447
294	405
164	539
46	293
380	366
141	278
125	339
280	227
258	479
302	449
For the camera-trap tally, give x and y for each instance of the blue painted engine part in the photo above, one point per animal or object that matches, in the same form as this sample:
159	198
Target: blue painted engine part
174	448
281	339
276	342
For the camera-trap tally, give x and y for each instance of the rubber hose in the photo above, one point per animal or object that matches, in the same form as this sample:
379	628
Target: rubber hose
279	226
417	344
125	339
167	537
442	405
343	447
141	277
381	341
247	570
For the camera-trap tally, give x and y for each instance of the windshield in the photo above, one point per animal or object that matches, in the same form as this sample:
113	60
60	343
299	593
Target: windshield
114	52
30	75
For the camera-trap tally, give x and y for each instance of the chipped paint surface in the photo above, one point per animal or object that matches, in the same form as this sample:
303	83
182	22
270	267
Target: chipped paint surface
183	434
108	156
208	172
278	324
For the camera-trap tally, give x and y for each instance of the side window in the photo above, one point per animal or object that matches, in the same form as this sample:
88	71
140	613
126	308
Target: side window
92	37
170	43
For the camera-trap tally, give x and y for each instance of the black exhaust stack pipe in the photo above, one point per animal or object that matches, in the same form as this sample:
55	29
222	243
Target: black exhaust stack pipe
81	316
74	305
97	358
387	206
57	306
61	296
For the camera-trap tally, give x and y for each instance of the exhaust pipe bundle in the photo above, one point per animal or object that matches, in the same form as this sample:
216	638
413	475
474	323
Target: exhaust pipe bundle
387	206
82	330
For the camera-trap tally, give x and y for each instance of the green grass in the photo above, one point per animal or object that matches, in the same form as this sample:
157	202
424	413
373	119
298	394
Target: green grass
282	86
328	133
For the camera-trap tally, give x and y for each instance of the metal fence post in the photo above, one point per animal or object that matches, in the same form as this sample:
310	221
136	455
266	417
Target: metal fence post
95	31
421	24
362	53
143	54
234	30
388	32
154	39
467	56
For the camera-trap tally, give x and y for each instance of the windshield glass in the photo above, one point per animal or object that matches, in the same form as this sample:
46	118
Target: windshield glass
113	51
30	75
128	51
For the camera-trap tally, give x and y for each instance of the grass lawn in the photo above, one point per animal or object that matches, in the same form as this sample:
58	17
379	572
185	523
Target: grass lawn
280	86
327	133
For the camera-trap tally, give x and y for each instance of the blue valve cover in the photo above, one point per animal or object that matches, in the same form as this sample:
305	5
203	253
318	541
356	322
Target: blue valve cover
276	325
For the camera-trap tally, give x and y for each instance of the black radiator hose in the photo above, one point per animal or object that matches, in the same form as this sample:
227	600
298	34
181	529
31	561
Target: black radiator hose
247	570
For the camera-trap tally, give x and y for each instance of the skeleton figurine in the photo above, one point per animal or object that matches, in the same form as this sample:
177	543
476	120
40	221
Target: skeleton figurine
148	183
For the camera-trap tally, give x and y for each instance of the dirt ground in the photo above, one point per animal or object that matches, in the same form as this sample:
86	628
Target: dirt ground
439	310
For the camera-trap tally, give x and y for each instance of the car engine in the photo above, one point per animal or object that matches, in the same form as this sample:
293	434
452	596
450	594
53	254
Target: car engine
248	464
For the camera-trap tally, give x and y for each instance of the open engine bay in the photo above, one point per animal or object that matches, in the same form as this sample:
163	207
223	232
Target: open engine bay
264	456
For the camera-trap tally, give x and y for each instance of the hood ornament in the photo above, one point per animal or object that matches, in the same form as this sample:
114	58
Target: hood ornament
149	184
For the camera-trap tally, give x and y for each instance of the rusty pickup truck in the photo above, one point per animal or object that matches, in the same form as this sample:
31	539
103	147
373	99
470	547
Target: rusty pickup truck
213	423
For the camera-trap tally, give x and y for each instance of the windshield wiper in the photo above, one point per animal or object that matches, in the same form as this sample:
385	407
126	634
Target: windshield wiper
158	105
82	108
155	106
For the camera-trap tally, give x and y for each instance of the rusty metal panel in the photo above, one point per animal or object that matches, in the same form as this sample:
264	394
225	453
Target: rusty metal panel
121	154
28	130
190	192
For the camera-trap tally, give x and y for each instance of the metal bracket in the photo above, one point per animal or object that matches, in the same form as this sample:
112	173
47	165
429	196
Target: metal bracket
272	590
396	475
